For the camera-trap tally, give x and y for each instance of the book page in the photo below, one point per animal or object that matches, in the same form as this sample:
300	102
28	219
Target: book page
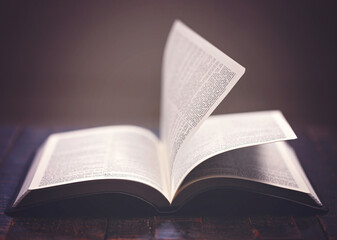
196	77
292	160
121	152
34	165
270	163
223	133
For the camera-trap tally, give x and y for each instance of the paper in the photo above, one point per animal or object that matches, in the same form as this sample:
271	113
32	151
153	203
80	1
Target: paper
121	152
196	77
223	133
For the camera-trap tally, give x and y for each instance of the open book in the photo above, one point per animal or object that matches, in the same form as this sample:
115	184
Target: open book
194	152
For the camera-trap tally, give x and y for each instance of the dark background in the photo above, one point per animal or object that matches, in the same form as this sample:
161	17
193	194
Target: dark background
88	63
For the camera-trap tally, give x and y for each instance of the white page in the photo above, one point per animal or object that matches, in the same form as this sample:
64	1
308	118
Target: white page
297	170
120	152
271	164
223	133
23	191
196	77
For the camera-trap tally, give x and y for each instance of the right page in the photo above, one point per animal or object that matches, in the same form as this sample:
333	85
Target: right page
271	169
223	133
196	77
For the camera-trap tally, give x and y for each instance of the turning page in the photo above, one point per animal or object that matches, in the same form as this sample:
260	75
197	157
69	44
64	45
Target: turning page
196	77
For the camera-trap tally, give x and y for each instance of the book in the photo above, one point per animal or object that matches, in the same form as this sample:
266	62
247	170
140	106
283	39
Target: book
194	152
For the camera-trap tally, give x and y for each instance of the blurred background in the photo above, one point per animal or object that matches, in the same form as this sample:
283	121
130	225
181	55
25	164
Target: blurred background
91	63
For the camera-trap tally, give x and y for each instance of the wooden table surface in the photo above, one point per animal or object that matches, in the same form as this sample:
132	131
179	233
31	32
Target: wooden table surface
316	149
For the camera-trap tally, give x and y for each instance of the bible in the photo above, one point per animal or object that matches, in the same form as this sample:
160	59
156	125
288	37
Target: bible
193	153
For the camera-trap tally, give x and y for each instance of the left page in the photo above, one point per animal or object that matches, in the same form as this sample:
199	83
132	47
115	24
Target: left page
120	152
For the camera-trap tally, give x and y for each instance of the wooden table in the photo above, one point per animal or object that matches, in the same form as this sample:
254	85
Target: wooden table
316	149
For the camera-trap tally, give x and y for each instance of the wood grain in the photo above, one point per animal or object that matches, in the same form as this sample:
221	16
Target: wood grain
130	228
7	140
270	227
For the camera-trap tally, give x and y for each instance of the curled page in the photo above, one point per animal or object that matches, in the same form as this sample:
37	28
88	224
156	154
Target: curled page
222	133
196	77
